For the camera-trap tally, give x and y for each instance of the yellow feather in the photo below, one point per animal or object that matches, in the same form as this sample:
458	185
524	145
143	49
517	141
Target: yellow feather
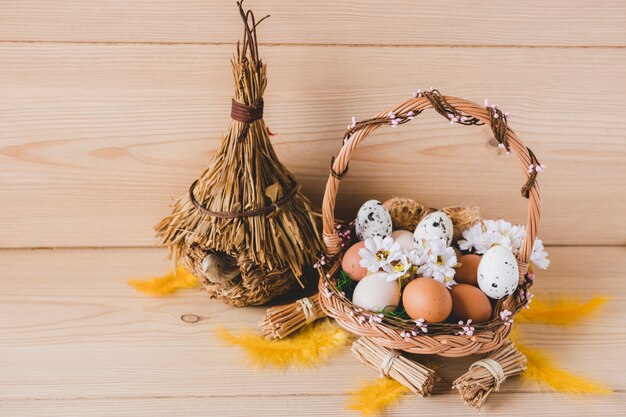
310	346
561	311
539	369
166	284
374	397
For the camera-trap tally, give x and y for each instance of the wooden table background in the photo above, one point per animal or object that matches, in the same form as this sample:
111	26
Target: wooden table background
110	109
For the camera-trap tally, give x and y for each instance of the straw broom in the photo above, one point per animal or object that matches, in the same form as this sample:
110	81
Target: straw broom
281	321
246	210
391	363
486	375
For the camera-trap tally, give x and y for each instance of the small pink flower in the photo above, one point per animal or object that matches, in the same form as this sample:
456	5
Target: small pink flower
506	317
486	103
421	325
466	328
529	297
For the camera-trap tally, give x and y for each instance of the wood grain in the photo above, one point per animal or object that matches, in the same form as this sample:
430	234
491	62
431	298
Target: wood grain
74	338
523	404
109	109
97	140
399	22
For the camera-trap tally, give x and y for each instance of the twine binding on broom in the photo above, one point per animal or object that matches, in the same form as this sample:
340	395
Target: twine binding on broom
385	367
308	309
494	368
246	114
235	214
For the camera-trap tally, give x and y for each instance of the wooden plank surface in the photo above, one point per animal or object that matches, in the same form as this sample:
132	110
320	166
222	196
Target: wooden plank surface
355	22
97	140
75	340
109	109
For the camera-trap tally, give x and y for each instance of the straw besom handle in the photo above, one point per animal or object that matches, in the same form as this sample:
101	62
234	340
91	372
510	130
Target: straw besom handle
456	110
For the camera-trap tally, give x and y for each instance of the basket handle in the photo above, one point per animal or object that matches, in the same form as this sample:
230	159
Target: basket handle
456	110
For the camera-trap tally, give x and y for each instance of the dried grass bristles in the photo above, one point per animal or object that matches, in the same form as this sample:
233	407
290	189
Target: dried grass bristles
405	212
390	363
486	375
463	217
281	321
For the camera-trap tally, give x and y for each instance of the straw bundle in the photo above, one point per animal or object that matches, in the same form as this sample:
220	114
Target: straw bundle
280	321
391	363
244	229
463	217
405	212
486	375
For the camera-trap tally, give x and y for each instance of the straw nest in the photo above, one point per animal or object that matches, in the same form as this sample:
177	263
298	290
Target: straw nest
244	229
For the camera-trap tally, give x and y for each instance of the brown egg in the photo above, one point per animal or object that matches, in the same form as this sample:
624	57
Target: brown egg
350	262
469	302
427	299
467	273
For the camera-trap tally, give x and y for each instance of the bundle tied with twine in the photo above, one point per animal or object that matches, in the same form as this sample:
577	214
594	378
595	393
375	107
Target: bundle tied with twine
281	321
390	363
244	228
486	375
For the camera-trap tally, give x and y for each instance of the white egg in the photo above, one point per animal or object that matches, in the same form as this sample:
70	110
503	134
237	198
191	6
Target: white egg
373	219
435	225
376	294
498	273
405	239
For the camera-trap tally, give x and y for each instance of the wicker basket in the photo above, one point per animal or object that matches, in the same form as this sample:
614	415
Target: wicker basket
441	338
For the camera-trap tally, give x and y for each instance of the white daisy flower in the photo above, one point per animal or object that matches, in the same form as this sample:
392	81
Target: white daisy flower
505	234
474	238
439	262
398	265
539	257
377	252
488	233
516	236
419	255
